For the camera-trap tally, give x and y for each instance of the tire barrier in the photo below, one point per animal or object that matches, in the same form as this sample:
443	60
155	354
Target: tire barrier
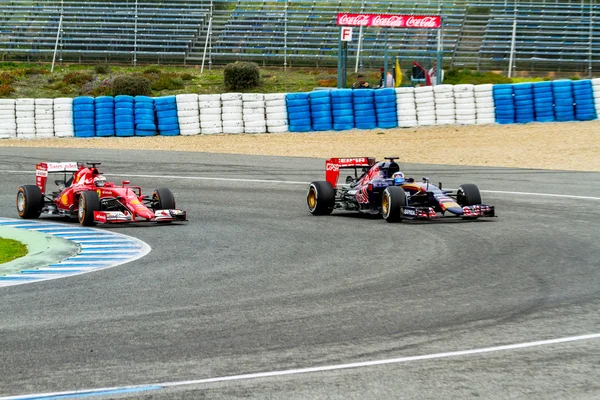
406	107
504	103
298	108
320	110
425	101
188	114
276	113
104	109
25	118
232	113
543	102
445	113
124	116
385	107
364	109
83	117
338	109
564	109
585	108
8	128
596	89
484	104
253	111
44	118
342	109
523	101
144	116
166	116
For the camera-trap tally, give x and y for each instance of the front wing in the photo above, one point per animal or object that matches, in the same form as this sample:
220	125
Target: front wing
119	217
425	213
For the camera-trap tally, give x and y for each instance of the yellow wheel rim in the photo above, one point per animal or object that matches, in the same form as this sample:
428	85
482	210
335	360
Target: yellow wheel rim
312	198
385	204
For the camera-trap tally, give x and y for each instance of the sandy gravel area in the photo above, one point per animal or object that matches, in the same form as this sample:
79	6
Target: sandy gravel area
565	146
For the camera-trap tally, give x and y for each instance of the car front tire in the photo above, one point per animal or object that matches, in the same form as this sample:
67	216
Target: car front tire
392	201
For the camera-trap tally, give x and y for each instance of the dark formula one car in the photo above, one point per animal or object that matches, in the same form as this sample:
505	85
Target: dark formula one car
383	189
89	197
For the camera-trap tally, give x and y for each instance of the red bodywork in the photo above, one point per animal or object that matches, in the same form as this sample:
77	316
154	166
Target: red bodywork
333	165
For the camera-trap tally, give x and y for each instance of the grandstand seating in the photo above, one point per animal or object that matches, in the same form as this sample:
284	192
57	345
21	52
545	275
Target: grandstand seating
475	32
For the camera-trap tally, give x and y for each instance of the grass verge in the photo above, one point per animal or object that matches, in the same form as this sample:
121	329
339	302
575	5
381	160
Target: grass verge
11	250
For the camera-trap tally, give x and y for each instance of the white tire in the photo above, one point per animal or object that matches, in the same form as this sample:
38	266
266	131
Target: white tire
186	98
406	96
406	106
426	108
253	97
25	121
408	124
255	124
278	129
275	103
63	107
209	97
254	117
423	89
212	131
187	114
442	89
188	120
210	117
255	129
277	115
63	114
232	110
48	102
25	135
464	95
485	110
195	125
254	111
232	117
486	115
7	102
233	103
6	114
445	121
28	102
276	122
234	131
233	124
9	125
231	96
44	117
466	87
278	109
425	115
187	107
46	132
444	96
484	102
464	103
210	124
444	102
10	107
210	111
465	110
254	104
426	121
189	131
63	100
484	95
407	114
403	90
275	96
486	87
209	104
8	132
44	125
24	107
467	121
444	112
484	121
63	121
424	97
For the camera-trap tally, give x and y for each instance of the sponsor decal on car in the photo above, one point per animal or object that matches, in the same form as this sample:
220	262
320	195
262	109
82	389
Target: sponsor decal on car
409	212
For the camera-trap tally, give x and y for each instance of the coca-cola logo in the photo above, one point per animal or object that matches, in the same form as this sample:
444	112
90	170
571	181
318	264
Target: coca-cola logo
388	21
422	22
353	19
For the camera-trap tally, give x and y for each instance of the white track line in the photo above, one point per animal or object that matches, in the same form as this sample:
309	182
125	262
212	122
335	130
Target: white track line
209	178
335	367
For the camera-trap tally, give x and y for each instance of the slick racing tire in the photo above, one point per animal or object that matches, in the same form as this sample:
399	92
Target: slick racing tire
163	199
320	198
89	202
468	195
392	201
29	201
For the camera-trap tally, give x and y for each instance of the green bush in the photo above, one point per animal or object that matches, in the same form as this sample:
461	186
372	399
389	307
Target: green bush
6	78
152	70
461	76
167	82
77	78
241	76
187	77
36	71
101	69
132	85
5	90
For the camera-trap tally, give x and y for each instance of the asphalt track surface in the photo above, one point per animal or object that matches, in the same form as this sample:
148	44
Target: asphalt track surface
253	283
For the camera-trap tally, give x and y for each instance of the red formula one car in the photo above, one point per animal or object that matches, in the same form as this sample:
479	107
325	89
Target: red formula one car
85	194
383	189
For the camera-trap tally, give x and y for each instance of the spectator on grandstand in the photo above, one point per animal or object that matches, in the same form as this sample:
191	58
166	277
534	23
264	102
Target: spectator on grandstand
433	74
389	80
361	83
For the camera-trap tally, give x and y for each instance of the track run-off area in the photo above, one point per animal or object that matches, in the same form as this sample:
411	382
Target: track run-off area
256	298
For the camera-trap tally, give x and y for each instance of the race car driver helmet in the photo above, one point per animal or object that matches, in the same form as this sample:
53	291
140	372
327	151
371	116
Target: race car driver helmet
399	178
99	181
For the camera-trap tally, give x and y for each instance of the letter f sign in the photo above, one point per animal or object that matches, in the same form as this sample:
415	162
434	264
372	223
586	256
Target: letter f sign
346	34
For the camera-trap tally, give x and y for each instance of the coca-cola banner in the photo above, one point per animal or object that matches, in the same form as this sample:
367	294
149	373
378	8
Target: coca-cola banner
390	20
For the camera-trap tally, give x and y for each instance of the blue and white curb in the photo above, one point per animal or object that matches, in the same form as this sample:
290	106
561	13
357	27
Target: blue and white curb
99	249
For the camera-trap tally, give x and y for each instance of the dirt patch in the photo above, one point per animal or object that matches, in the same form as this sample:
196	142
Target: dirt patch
565	146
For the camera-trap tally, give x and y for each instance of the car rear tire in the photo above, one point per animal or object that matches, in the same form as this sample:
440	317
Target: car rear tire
392	201
468	195
30	201
163	199
320	198
88	203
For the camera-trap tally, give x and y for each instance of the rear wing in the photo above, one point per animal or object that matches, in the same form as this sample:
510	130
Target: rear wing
333	165
44	168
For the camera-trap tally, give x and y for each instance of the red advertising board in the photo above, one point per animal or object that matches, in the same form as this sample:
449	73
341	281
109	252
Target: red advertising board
390	20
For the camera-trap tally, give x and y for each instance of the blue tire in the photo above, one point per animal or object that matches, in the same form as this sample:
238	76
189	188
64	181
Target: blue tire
344	120
166	114
83	108
141	132
368	125
320	108
545	118
321	121
300	121
299	116
123	112
586	117
124	125
298	109
83	100
146	127
297	102
385	99
363	100
105	121
83	121
103	112
170	132
364	107
320	100
342	106
168	121
165	107
143	106
143	99
387	124
342	113
165	100
105	132
125	132
341	93
85	133
300	128
296	96
123	98
318	94
358	93
320	114
342	127
167	127
322	127
144	111
389	107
